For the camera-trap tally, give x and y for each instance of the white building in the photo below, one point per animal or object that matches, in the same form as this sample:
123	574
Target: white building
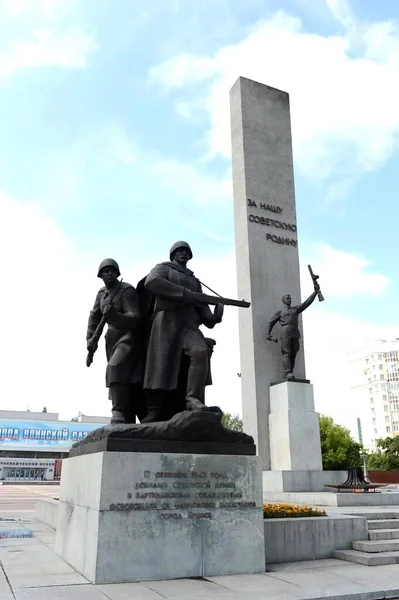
374	388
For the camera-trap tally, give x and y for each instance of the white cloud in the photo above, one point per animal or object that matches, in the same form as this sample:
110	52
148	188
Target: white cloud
47	49
17	9
186	179
47	294
343	274
344	89
341	11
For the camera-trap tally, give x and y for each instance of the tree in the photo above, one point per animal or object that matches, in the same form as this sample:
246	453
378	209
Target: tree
386	458
338	449
44	410
233	422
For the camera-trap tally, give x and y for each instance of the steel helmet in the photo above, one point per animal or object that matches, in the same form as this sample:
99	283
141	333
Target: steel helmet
108	262
178	245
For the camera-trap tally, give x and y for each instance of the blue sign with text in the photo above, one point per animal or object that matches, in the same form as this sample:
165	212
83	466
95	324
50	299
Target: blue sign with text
42	435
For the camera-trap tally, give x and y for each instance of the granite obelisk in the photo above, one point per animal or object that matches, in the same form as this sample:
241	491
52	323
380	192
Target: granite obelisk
266	241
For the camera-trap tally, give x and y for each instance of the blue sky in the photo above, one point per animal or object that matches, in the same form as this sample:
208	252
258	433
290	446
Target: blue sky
115	141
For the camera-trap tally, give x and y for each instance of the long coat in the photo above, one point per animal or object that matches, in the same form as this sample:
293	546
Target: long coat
171	319
122	340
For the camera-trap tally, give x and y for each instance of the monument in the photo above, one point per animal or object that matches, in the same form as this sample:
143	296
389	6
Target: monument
176	495
278	407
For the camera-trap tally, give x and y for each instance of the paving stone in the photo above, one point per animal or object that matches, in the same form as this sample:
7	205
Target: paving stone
69	592
253	583
49	580
321	563
128	591
187	588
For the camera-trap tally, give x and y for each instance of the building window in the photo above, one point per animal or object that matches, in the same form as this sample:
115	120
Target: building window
381	367
380	357
388	429
374	421
373	411
382	376
383	387
387	419
370	390
384	397
386	408
375	431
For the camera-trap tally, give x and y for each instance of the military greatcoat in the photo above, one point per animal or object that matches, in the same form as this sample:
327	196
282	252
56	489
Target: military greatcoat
171	320
122	340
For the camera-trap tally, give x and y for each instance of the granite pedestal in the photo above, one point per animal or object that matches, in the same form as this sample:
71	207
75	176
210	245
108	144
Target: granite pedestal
130	516
295	451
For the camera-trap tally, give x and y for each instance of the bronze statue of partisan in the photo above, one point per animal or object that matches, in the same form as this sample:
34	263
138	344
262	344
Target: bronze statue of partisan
287	317
116	304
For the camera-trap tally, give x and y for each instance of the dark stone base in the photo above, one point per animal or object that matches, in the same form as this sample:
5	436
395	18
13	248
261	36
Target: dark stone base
290	380
162	446
187	432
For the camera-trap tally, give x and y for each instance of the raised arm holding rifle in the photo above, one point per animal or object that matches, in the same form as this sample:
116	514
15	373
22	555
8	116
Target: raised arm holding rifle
287	317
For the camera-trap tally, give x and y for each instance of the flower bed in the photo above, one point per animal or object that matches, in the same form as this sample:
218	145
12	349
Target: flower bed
287	511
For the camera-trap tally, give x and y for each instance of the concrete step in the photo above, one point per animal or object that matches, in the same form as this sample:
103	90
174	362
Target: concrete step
364	558
376	546
383	523
384	534
374	514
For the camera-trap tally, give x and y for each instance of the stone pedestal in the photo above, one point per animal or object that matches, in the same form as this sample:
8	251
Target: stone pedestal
295	452
294	428
130	516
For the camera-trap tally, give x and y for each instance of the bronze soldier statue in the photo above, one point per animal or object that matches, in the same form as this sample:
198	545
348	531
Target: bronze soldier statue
116	304
288	319
175	337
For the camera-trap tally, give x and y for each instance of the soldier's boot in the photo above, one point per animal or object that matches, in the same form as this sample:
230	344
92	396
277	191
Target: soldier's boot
154	406
290	375
120	398
195	392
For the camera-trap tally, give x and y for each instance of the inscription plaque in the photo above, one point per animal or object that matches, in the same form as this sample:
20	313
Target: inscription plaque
184	491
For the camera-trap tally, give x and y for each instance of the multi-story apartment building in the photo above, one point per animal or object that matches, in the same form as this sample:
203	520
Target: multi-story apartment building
374	388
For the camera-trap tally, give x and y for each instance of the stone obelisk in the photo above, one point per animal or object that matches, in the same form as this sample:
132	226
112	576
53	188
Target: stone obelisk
266	242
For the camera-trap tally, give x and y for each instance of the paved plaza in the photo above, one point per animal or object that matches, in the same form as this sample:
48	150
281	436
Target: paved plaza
30	569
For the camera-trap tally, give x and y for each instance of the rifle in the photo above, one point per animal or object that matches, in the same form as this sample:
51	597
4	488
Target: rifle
99	329
314	279
201	298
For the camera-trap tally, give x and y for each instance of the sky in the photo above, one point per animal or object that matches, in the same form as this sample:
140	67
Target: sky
115	141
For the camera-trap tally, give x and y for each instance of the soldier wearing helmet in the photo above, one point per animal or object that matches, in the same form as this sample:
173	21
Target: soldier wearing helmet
175	336
117	302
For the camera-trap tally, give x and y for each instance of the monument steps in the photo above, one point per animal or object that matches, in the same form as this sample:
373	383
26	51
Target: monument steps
382	548
383	523
369	560
384	534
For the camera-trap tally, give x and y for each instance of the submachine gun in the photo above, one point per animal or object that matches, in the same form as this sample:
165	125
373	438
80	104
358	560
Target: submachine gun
314	279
